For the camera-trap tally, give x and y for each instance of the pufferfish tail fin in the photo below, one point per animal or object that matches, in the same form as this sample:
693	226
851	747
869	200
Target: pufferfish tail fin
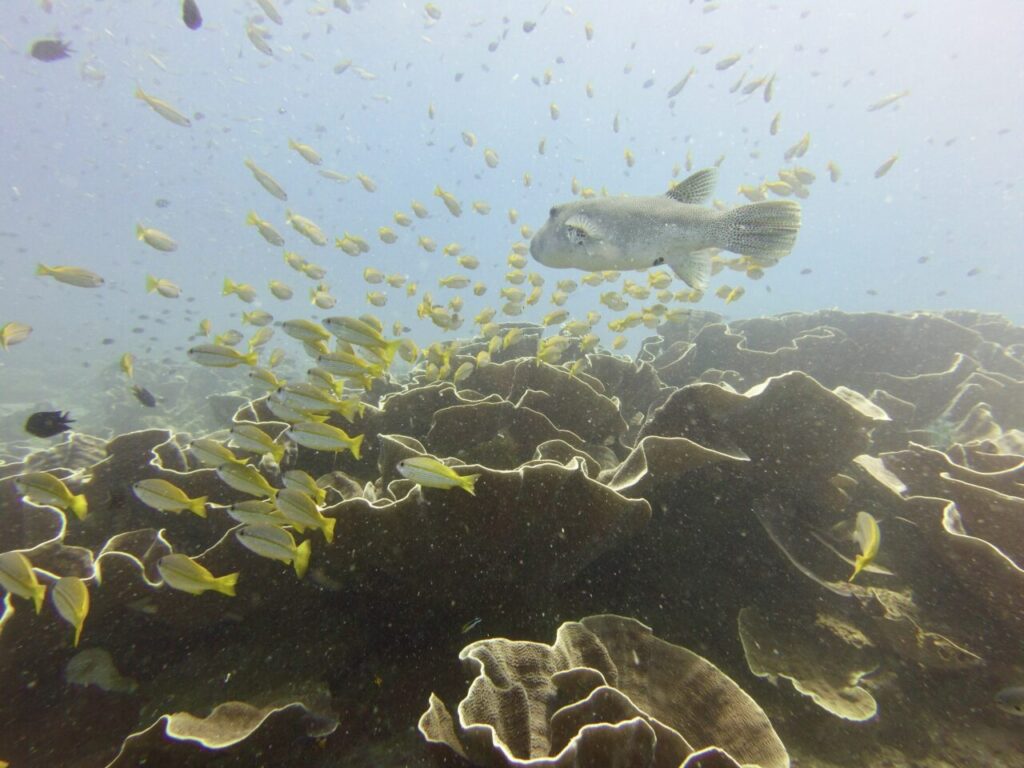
764	230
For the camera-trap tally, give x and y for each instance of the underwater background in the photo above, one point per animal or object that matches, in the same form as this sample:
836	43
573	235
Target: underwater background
653	567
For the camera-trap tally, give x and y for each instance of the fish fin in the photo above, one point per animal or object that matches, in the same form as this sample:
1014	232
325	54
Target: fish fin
858	566
42	269
78	632
226	584
38	593
79	506
694	269
356	446
229	287
198	506
695	189
301	561
468	484
150	283
761	230
328	529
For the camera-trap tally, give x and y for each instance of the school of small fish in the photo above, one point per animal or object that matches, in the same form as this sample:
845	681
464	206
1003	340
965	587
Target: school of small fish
695	258
642	259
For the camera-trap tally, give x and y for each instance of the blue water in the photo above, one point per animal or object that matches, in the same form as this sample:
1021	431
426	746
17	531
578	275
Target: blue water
84	161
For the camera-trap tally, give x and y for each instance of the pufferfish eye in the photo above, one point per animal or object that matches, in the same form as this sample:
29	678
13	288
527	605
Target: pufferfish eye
576	235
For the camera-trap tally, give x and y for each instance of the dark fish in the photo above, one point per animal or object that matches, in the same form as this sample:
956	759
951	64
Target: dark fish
190	14
48	423
50	50
1011	700
144	396
162	202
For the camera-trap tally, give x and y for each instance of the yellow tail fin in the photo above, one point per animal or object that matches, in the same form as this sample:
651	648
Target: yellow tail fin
329	529
226	584
356	446
301	561
198	506
38	593
80	506
468	483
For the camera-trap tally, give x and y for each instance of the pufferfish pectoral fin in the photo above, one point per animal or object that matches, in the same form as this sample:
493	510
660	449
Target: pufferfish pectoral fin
695	189
694	269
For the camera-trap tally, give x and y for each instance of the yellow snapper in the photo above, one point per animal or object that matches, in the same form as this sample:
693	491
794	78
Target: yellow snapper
869	537
245	478
163	286
276	543
244	291
266	180
220	356
183	573
265	228
43	488
70	597
280	290
309	154
76	276
303	481
167	497
301	511
212	454
18	578
324	437
306	228
256	512
303	396
155	238
251	438
431	473
13	333
163	109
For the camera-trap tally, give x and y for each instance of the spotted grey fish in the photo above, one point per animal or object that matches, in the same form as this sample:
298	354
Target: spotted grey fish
621	233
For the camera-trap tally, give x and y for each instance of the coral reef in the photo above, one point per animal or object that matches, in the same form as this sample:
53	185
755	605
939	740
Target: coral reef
709	489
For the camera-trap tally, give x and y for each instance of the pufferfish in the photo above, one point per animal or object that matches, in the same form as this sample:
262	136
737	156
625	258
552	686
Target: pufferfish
675	229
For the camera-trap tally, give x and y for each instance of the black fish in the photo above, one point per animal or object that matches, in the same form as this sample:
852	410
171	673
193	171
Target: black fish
144	396
50	50
48	423
190	14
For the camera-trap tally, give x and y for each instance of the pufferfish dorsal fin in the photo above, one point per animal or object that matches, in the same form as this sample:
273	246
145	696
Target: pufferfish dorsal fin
695	189
581	228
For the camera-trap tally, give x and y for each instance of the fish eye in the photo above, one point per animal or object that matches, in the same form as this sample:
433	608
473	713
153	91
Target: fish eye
553	212
576	235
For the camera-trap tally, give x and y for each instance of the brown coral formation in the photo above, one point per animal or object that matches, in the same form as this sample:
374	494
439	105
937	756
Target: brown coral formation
710	488
606	692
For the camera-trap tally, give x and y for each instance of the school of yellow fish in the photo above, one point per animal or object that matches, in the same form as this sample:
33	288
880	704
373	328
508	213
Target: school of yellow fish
348	352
